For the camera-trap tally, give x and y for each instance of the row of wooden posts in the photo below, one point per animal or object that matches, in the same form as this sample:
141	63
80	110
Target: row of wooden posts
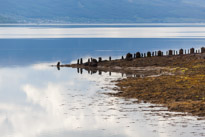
150	54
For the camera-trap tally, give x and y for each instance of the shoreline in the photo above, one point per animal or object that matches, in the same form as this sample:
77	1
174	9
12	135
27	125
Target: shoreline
176	82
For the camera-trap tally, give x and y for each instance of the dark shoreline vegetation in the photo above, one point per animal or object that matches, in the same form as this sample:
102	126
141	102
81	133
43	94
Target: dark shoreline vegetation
175	80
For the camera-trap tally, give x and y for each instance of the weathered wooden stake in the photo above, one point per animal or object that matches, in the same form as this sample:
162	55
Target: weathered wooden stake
181	52
170	52
58	64
203	50
152	53
81	61
192	51
134	55
99	59
148	54
129	56
138	55
159	53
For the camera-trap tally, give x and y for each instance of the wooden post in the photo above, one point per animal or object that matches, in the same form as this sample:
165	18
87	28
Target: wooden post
152	53
148	54
159	53
129	56
99	59
181	52
192	51
170	53
203	50
134	55
138	55
58	64
81	61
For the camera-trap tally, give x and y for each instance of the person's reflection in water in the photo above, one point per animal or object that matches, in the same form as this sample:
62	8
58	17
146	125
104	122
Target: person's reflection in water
78	70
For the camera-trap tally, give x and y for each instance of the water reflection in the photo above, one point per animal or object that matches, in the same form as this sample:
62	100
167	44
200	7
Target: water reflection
92	71
140	72
40	101
103	31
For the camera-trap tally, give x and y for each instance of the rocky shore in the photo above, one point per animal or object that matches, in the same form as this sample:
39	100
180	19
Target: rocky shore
175	81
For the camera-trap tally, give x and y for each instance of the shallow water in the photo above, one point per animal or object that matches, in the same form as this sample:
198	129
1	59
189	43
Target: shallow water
37	100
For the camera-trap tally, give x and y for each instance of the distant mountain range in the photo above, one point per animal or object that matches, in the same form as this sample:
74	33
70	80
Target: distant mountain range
102	11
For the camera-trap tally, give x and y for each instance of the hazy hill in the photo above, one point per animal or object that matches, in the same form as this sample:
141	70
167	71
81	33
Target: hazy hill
102	11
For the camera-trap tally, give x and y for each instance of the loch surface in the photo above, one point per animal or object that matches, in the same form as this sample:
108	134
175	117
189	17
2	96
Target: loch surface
37	100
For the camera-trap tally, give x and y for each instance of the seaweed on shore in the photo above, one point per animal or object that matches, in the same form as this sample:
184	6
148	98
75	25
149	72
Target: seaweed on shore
183	92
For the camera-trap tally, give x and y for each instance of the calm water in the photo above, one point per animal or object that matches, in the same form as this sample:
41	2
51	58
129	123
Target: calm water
39	101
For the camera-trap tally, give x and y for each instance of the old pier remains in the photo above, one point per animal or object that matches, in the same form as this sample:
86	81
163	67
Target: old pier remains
129	56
